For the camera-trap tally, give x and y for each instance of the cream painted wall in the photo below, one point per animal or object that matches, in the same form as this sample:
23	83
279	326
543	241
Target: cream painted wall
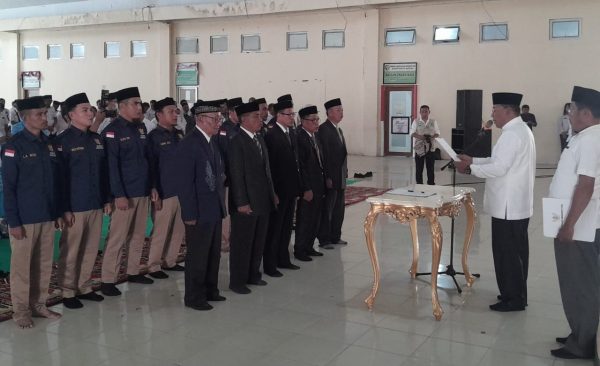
543	70
312	76
9	66
66	76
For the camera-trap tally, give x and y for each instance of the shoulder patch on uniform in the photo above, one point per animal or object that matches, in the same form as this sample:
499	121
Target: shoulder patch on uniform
110	135
10	153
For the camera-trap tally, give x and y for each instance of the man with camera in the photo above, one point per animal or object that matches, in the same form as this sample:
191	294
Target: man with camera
424	130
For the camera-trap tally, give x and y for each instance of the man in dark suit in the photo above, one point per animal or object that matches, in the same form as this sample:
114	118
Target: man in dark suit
202	197
282	98
335	166
281	143
251	200
312	182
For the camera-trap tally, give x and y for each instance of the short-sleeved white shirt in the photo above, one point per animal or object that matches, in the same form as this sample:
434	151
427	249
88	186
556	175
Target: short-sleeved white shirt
581	157
4	121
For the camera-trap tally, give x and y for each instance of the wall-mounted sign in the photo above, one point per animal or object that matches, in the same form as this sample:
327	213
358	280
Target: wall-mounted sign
400	125
187	74
400	73
31	79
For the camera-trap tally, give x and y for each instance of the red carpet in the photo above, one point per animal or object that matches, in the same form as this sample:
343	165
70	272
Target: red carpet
353	195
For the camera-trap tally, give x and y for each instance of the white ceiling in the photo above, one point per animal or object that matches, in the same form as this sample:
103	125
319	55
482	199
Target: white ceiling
14	9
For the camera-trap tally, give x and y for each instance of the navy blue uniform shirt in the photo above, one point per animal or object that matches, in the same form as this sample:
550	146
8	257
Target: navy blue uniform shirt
162	153
125	144
84	173
30	173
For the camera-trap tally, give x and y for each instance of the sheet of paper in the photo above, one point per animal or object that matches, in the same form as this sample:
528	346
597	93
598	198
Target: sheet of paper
447	148
555	212
408	191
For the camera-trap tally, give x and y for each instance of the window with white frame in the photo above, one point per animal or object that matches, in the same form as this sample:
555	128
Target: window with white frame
139	48
446	34
565	28
250	42
54	52
77	50
334	39
493	32
219	44
31	52
400	36
297	41
186	45
112	49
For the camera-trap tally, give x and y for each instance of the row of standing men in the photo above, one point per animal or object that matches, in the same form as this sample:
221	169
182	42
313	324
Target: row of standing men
69	181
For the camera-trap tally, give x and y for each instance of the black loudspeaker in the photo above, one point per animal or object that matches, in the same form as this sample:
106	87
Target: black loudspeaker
468	109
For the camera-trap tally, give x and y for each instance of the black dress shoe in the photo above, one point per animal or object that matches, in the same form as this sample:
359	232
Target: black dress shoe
289	266
326	246
302	257
242	290
341	242
274	273
200	306
501	298
176	267
217	298
258	283
72	303
566	354
91	296
109	289
505	307
561	340
159	275
138	278
314	253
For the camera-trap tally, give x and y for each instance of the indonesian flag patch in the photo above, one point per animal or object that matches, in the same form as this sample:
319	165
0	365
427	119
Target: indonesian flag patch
110	135
9	153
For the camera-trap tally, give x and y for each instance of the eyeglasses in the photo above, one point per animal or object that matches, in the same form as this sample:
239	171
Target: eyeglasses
288	114
317	119
214	119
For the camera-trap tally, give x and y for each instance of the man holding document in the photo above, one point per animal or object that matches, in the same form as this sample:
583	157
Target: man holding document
577	179
509	177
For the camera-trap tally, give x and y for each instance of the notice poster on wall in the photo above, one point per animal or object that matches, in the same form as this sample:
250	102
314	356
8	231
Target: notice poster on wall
400	73
400	125
187	74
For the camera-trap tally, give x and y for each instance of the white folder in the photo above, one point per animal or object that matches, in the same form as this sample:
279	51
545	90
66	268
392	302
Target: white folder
555	211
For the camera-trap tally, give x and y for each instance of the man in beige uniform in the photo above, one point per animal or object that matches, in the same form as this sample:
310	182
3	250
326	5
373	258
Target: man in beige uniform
128	171
32	197
85	198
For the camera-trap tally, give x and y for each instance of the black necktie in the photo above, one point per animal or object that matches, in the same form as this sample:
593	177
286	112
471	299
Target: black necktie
313	141
255	139
287	136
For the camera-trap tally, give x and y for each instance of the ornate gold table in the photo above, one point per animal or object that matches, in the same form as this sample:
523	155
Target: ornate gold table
446	201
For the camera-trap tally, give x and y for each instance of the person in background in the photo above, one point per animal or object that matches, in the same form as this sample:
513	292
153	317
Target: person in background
33	210
564	127
424	130
528	117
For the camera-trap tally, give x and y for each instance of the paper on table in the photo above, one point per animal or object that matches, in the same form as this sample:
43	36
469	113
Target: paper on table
409	191
444	145
555	212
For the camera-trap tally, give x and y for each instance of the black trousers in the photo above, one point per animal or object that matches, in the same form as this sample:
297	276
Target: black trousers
332	217
429	161
276	253
202	260
563	141
510	247
308	217
247	242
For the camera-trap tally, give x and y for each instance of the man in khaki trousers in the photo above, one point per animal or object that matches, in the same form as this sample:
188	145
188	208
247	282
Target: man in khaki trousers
31	197
168	232
128	171
85	184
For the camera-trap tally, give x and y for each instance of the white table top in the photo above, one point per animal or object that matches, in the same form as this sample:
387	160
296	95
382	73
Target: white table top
441	195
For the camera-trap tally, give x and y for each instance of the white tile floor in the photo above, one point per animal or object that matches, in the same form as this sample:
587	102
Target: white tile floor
316	316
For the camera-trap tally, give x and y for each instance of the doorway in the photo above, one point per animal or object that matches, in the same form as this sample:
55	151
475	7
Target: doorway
398	108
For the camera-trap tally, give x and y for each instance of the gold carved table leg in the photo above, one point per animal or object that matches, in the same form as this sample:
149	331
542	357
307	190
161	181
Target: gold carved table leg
470	208
415	240
436	252
370	237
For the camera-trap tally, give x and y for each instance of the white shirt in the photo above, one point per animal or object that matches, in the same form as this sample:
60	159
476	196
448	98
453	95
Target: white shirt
251	134
103	124
429	127
50	117
150	124
181	122
204	133
150	114
283	128
563	125
14	117
581	157
509	173
4	121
